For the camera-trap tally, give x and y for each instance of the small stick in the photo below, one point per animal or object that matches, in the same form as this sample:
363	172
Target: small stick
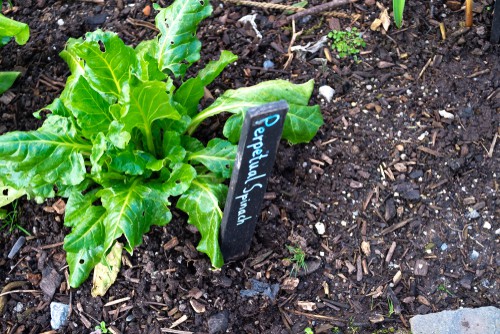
492	147
314	10
468	13
19	291
175	331
395	227
117	301
425	68
99	2
390	253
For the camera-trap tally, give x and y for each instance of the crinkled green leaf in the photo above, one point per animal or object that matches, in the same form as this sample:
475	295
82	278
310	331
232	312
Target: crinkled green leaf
89	107
11	28
107	62
42	155
180	179
218	157
202	202
131	162
178	46
7	80
9	194
75	63
148	65
117	135
214	68
299	127
146	103
84	245
132	209
172	148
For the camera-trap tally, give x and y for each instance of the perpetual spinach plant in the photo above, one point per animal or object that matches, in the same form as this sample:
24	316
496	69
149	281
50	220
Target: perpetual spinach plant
118	142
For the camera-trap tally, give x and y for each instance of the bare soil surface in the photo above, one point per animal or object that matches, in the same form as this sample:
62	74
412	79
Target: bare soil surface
407	193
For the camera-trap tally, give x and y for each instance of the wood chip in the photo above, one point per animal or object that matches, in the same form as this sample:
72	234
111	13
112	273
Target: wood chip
197	306
171	244
350	267
421	268
307	306
390	253
429	151
117	301
179	321
365	247
397	278
422	300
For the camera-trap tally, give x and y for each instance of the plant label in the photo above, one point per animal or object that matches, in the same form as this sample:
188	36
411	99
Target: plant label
259	139
495	27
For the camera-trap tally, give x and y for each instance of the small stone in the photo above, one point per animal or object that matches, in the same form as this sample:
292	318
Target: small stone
19	307
421	268
445	114
466	281
97	19
369	87
462	321
474	255
376	318
290	283
17	246
58	315
467	112
416	174
444	247
327	92
320	228
218	323
268	64
472	214
487	225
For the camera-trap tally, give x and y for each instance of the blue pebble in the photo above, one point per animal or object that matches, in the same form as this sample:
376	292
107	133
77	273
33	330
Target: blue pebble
268	64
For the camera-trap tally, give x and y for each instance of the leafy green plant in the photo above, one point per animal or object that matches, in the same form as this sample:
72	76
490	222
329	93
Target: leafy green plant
101	328
20	32
398	7
346	42
119	144
298	258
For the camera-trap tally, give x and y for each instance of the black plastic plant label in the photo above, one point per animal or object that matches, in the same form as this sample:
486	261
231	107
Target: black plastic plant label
259	139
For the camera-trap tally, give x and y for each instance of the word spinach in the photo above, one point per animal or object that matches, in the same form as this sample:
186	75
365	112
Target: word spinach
118	142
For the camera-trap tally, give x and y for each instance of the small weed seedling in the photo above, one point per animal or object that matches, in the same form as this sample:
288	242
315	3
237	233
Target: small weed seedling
101	327
298	258
347	42
336	330
11	220
308	330
441	287
391	307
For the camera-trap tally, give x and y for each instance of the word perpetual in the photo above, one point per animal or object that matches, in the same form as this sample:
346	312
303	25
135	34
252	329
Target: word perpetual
257	148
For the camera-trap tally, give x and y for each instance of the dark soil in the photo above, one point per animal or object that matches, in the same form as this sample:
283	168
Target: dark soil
386	169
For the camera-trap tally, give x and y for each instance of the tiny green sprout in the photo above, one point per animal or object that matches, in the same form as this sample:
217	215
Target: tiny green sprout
11	219
441	287
347	42
336	330
298	258
101	327
391	307
308	330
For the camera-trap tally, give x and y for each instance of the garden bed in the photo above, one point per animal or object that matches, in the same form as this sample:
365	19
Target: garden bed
388	169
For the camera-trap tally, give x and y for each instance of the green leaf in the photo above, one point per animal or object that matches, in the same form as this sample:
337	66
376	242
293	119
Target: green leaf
130	162
214	68
75	63
9	194
398	7
147	102
132	209
89	107
32	157
299	127
178	46
105	274
189	95
202	203
10	28
172	148
232	128
218	157
7	80
107	62
84	244
148	65
180	179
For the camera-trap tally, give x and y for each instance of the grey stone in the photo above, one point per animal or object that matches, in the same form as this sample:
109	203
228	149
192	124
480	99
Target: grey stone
484	320
218	322
58	315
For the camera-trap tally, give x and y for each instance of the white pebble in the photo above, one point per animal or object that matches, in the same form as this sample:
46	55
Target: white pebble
487	225
60	22
369	87
320	228
446	114
327	92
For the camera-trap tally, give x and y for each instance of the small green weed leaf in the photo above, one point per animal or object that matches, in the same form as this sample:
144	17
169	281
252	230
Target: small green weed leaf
178	46
202	203
10	28
214	68
90	108
132	209
44	155
7	80
189	95
398	7
218	157
180	179
107	62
